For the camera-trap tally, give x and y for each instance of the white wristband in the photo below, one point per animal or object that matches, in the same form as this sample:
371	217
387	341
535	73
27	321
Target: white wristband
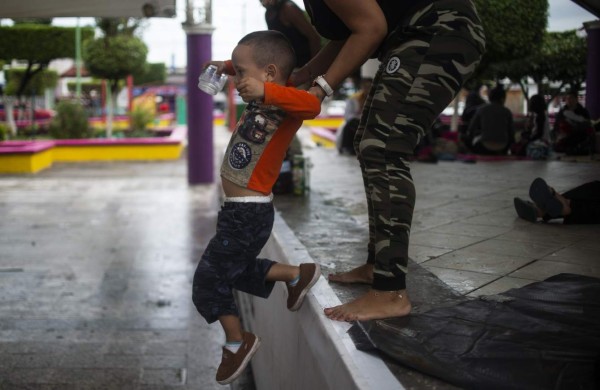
320	80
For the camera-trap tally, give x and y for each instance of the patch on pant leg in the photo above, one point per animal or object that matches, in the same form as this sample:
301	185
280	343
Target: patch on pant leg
393	65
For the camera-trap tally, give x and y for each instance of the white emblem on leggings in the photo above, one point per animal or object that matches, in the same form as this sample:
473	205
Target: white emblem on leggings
393	65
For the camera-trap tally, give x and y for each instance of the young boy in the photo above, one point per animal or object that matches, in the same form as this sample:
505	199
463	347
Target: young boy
261	64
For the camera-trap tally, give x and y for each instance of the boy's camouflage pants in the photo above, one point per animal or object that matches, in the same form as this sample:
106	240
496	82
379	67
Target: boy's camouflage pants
231	261
424	63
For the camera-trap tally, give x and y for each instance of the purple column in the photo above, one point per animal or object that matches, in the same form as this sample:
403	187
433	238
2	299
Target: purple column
592	99
199	107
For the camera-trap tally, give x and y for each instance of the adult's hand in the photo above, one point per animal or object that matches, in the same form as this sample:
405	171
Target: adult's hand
299	77
318	92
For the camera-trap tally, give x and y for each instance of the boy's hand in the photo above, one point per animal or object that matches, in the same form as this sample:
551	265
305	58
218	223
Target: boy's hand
251	89
219	64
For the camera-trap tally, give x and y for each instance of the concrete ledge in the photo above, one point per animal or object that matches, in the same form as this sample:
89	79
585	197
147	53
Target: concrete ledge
305	350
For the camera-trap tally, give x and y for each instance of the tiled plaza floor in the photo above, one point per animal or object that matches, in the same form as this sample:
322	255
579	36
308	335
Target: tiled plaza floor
96	260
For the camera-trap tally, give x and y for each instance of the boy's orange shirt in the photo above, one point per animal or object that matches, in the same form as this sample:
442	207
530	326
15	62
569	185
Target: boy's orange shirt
263	134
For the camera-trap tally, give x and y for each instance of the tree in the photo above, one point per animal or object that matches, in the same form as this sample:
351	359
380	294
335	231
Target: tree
36	45
118	54
46	21
155	73
561	58
41	81
113	58
513	29
45	79
111	27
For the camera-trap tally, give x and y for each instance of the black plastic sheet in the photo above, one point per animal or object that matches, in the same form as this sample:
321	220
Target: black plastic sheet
542	336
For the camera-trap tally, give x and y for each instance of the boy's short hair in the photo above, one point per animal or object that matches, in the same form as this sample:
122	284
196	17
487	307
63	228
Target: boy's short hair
271	47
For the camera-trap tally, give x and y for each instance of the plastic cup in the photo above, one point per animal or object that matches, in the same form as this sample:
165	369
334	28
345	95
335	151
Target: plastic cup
211	82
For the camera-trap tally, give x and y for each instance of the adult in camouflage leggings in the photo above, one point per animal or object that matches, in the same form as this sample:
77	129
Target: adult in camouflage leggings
419	76
424	63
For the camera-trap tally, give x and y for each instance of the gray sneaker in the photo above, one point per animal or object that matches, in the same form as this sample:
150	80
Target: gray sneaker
525	209
309	274
544	197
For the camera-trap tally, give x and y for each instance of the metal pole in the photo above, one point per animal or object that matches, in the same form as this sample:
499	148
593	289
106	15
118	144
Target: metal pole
592	84
199	104
78	60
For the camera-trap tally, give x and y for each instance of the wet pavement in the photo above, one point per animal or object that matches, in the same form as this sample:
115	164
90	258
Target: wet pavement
466	238
96	260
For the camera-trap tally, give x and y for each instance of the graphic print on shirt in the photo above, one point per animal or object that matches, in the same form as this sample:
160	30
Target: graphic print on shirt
240	155
255	129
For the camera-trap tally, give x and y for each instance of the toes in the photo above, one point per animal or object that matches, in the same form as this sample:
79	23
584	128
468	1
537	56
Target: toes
339	313
333	312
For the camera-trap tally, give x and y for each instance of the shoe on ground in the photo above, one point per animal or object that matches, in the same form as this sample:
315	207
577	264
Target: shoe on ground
309	274
233	364
525	209
544	198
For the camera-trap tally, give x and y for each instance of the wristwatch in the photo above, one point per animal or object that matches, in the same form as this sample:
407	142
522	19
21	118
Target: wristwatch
321	82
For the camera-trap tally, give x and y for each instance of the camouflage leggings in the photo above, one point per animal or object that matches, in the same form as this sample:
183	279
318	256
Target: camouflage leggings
425	62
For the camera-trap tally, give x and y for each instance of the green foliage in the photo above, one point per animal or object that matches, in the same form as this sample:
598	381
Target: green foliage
47	21
155	73
71	121
4	132
140	119
86	87
37	84
513	28
39	43
562	58
115	58
112	27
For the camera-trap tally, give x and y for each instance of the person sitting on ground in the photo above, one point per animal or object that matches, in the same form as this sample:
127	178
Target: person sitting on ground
573	132
352	112
580	205
491	131
534	140
261	64
472	104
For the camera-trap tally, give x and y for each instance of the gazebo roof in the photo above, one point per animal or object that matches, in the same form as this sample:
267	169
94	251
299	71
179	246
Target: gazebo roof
87	8
592	6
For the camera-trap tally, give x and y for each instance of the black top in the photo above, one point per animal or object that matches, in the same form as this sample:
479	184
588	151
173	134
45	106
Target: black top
330	26
297	39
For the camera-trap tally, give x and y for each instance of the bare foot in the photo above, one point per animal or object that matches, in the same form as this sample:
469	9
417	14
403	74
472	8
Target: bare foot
374	305
361	274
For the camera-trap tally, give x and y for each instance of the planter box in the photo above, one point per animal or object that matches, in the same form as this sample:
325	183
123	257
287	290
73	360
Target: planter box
34	156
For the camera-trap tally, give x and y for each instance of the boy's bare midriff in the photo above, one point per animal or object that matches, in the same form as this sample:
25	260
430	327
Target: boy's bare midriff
233	190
